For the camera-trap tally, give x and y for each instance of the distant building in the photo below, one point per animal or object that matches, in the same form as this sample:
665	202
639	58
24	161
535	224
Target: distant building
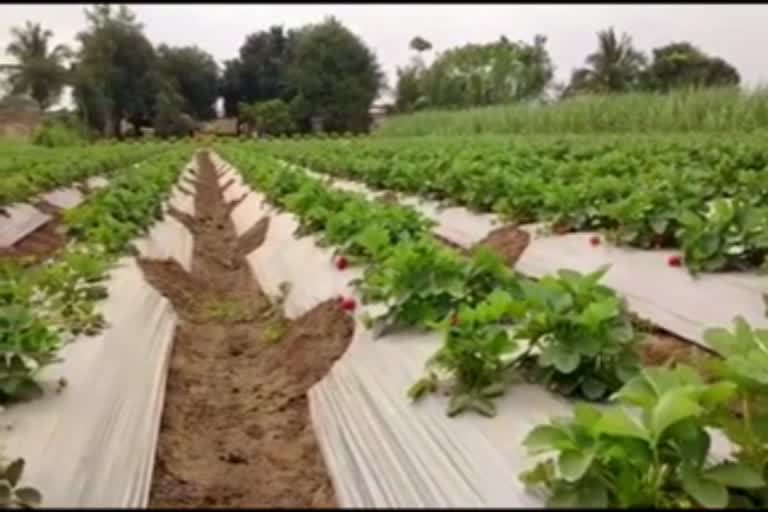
221	126
378	112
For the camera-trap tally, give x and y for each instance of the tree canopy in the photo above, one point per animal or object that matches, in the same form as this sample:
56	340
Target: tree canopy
476	74
335	75
290	80
681	64
41	71
117	76
194	74
616	66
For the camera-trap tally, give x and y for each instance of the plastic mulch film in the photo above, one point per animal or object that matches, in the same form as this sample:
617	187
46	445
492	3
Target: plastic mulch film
380	449
65	198
96	182
22	219
281	258
93	443
669	297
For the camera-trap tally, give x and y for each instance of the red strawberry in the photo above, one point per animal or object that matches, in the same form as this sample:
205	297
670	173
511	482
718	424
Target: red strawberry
594	240
341	263
348	304
675	261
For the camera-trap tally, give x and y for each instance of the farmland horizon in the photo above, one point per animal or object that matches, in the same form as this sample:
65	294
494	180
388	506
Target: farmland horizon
570	29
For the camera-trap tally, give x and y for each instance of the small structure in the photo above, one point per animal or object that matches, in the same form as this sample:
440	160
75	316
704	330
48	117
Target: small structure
222	126
378	112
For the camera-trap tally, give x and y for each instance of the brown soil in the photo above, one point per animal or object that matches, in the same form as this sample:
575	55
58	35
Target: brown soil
389	197
508	241
661	347
236	430
42	242
253	238
450	244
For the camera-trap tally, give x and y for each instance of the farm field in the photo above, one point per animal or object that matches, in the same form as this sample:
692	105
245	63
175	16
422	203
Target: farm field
583	317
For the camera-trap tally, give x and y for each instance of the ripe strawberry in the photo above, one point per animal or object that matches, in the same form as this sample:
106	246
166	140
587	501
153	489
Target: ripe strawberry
341	263
675	261
348	304
594	240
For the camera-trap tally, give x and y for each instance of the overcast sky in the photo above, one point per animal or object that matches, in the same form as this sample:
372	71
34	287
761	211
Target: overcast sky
736	33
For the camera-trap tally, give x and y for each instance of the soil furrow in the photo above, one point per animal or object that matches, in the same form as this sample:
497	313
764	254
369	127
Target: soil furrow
42	243
236	429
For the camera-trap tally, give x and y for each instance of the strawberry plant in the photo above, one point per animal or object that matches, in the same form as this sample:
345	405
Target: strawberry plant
731	235
580	339
422	282
635	188
475	354
11	494
651	449
27	344
745	359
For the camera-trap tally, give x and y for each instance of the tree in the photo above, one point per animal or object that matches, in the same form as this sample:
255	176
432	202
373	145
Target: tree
170	120
230	86
194	74
335	75
272	117
408	91
478	74
683	65
116	73
420	44
615	67
263	66
41	71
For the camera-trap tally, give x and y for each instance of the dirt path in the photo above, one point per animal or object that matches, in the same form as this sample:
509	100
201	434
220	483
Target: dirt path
236	430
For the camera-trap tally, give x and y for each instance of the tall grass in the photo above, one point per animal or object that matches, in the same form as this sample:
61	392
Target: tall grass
708	110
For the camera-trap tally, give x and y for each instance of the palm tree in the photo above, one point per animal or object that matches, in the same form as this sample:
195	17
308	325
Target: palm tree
40	73
614	67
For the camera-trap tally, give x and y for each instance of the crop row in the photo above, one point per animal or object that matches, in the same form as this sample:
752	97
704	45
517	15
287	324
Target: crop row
706	198
43	307
26	174
46	306
649	447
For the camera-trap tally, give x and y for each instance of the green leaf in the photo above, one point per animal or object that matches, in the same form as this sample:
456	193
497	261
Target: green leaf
13	472
29	496
733	474
574	464
637	391
706	492
458	403
586	415
559	356
618	423
672	407
483	406
593	389
5	494
545	438
659	225
721	340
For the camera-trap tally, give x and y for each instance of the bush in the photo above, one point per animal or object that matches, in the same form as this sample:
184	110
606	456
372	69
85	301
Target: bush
271	117
59	132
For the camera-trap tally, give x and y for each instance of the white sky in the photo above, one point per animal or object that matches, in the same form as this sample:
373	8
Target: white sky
735	32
